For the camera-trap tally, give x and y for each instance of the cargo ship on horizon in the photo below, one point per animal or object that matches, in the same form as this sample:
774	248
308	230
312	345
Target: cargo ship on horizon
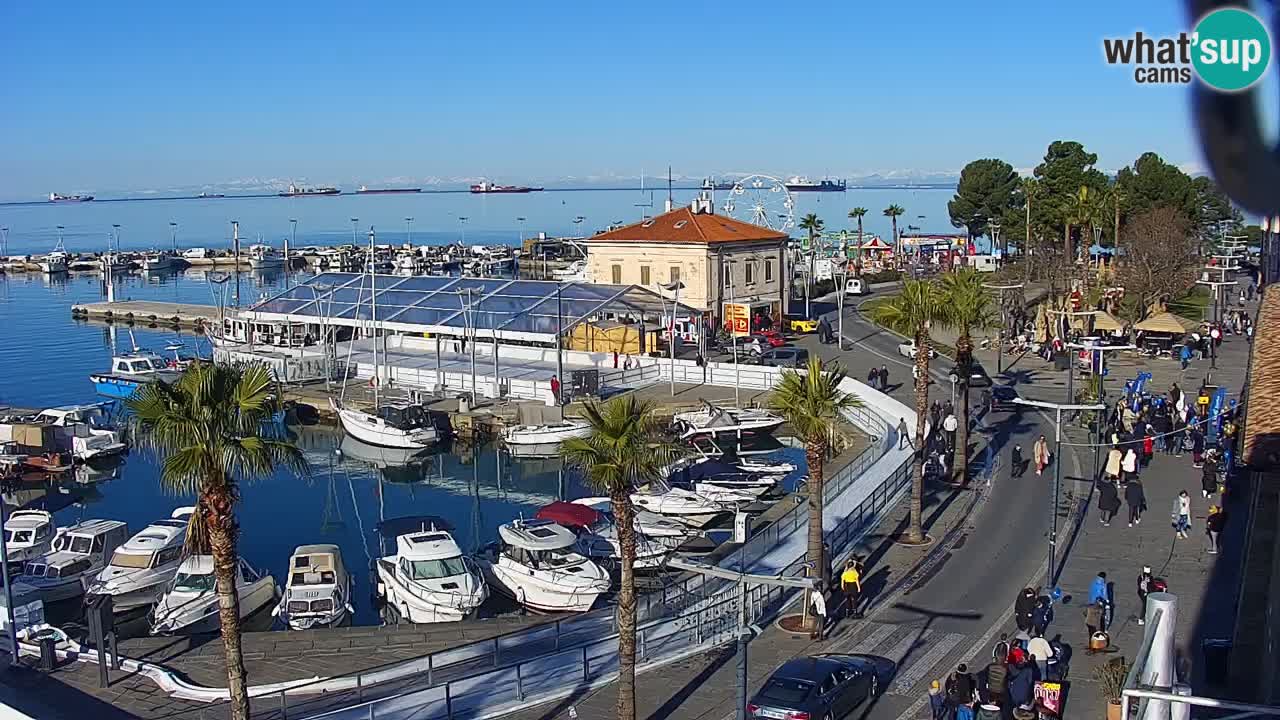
299	191
55	197
803	184
488	187
385	191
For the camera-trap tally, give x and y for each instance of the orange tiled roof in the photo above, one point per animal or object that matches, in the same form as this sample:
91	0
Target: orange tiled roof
1262	431
682	225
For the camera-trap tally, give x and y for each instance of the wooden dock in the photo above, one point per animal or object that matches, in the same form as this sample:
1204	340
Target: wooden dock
145	312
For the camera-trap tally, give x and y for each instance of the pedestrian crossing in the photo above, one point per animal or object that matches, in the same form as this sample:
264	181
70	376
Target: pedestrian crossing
917	651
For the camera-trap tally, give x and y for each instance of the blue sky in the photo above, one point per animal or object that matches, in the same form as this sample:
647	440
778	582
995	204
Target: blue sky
152	95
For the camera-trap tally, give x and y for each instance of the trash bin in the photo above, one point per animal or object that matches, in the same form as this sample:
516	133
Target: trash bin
464	404
1217	659
48	653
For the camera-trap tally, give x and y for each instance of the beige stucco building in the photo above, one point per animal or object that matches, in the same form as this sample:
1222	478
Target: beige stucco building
718	260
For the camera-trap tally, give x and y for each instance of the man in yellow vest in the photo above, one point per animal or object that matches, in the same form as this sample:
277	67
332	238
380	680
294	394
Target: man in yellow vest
851	584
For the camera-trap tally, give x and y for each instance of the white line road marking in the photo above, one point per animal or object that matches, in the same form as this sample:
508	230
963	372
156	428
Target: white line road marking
915	671
866	643
916	636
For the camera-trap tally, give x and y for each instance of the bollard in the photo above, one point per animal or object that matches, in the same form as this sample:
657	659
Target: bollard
520	685
360	690
284	706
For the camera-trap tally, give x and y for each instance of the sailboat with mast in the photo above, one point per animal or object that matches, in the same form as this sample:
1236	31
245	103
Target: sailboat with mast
395	423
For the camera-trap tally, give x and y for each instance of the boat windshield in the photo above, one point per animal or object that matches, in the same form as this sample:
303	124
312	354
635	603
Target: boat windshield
74	543
404	418
436	569
131	560
197	583
20	536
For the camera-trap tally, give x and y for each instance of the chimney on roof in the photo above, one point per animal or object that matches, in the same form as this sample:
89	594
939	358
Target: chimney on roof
668	206
702	205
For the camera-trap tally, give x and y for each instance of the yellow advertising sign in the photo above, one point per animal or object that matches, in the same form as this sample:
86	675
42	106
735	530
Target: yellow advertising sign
737	318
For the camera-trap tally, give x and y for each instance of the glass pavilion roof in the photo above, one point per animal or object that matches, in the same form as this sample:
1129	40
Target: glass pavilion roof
449	305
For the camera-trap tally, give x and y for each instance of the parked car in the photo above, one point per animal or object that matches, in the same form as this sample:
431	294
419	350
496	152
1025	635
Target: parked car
819	687
856	286
789	357
767	339
1002	399
801	324
908	350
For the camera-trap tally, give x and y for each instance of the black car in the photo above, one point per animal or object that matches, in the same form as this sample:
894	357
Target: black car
1003	399
820	687
978	377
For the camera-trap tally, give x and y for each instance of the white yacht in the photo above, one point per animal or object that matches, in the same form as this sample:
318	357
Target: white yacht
684	505
577	271
82	431
394	425
428	580
549	434
599	542
665	530
190	605
158	261
534	563
264	257
28	534
78	553
131	371
55	262
141	569
318	591
712	420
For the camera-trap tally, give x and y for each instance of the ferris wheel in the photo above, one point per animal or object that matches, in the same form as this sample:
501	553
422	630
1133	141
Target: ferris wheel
761	200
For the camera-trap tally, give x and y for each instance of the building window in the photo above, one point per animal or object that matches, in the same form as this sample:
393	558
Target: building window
751	272
726	274
768	271
675	274
617	274
644	274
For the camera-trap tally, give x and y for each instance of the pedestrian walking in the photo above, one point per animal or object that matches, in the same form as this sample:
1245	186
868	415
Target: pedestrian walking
1040	652
1182	514
1042	615
1197	446
961	687
937	700
819	603
873	379
1021	684
851	584
1092	619
1209	474
1214	524
1040	454
1098	588
1024	607
1136	498
884	378
1108	502
998	682
1148	448
1017	461
950	424
1146	583
1114	459
555	389
1129	465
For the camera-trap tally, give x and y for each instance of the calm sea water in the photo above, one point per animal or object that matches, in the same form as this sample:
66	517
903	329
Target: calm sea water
45	360
490	219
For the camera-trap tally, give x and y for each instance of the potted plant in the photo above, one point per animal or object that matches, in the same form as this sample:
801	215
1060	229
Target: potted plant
1110	677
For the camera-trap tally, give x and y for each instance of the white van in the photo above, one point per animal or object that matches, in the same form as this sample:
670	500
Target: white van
196	253
856	286
983	263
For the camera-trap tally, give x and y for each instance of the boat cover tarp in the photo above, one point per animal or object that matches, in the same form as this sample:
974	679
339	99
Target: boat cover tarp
568	514
705	470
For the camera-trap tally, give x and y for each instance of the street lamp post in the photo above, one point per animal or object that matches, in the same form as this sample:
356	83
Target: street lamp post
1057	408
462	221
994	225
839	277
291	240
727	270
4	241
1216	285
674	288
173	236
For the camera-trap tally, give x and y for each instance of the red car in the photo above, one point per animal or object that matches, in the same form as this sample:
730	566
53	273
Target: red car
772	338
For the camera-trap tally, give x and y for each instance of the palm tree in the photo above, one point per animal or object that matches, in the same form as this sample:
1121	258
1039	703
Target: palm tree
911	312
811	401
892	212
857	214
968	308
208	428
813	224
1084	213
1118	197
624	450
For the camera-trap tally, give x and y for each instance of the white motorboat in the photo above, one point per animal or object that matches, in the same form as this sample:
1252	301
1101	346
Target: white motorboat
549	434
712	420
534	563
158	262
393	425
318	591
131	371
28	534
684	505
55	262
724	474
78	553
598	536
190	605
82	431
649	524
577	271
428	580
729	497
141	569
264	257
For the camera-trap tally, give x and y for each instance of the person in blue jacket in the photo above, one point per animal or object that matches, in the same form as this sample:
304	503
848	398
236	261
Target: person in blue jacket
1098	592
